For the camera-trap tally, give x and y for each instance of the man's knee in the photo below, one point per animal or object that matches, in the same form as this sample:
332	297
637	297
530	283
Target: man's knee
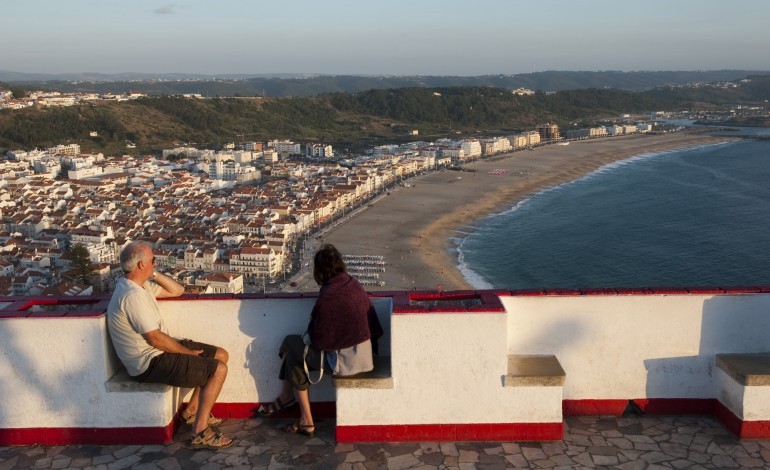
221	369
222	355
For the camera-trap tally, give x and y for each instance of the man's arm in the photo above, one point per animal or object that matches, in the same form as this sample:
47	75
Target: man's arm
166	343
168	285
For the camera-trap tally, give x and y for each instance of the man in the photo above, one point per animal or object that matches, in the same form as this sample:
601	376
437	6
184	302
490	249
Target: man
150	355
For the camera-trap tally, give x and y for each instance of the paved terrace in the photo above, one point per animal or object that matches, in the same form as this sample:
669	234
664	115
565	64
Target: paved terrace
690	442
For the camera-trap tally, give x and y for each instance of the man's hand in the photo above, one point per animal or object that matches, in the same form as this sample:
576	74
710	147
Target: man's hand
166	343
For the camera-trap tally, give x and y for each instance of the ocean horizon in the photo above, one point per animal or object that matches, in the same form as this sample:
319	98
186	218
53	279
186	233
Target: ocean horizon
683	217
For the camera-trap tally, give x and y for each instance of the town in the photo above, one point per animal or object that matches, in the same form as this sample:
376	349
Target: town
223	221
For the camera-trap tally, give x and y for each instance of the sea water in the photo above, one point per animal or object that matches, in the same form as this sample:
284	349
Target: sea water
692	217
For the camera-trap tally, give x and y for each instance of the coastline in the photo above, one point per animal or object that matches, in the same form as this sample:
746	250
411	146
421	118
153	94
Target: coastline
413	227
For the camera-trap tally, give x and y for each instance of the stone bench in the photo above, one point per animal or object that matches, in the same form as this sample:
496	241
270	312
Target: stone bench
534	371
743	388
122	382
379	377
153	408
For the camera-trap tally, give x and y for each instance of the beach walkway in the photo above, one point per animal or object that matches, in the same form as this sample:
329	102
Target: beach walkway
685	442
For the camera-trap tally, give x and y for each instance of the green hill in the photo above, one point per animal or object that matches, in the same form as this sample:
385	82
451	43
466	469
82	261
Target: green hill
344	120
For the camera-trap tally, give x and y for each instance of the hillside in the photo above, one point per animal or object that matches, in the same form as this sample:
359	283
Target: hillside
352	121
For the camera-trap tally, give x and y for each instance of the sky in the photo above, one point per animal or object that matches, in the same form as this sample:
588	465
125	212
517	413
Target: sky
392	37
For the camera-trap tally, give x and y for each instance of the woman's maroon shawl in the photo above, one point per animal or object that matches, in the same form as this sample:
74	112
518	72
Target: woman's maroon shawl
343	316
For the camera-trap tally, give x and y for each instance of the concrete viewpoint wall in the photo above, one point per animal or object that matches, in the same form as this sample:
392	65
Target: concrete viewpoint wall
638	346
448	368
252	332
53	370
53	373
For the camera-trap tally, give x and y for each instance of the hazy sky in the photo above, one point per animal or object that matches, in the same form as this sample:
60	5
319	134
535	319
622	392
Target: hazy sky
415	37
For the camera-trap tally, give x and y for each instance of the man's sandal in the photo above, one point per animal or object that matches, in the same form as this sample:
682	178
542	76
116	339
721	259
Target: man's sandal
276	407
190	419
307	430
208	439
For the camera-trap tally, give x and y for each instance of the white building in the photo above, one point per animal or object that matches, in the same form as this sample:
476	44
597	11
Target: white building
286	147
83	173
255	262
222	283
320	150
471	148
71	149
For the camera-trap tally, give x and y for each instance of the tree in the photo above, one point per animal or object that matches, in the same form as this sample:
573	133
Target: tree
18	92
82	267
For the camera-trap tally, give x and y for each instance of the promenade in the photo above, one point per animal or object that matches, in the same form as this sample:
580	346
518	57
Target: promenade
682	442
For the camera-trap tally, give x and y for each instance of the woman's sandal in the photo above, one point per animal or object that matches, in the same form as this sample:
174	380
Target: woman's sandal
307	430
276	407
190	419
212	440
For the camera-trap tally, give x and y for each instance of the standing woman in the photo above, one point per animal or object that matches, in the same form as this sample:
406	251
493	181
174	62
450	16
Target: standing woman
338	339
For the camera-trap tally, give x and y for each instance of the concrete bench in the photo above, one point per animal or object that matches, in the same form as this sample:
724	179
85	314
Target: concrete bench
534	371
122	382
743	387
151	408
380	377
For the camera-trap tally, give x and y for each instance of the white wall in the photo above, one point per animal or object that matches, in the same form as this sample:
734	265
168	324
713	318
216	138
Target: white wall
252	331
638	346
53	374
53	371
446	367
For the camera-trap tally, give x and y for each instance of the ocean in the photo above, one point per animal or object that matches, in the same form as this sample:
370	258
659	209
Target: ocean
694	217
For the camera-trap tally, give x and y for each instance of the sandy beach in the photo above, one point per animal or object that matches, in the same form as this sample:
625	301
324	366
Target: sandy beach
413	227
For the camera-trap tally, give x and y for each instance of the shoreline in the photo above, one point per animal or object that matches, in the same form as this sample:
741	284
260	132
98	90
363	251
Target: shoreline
415	227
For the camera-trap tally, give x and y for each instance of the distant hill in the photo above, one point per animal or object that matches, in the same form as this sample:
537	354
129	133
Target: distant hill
9	76
285	85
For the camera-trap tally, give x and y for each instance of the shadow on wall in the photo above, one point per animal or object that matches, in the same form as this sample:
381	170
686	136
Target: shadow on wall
266	323
554	337
729	324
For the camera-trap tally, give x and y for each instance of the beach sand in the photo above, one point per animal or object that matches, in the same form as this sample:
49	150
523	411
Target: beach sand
413	227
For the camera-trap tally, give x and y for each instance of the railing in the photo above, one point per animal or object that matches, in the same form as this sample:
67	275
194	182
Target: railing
450	354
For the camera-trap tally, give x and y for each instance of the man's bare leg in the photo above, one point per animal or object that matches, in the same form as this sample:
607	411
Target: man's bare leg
208	396
192	405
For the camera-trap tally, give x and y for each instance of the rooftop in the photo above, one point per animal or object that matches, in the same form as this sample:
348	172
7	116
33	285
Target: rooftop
627	443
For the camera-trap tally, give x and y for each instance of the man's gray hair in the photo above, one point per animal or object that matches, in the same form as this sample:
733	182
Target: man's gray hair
132	254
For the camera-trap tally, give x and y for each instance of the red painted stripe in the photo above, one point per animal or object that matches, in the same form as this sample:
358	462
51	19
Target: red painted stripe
452	432
730	421
742	429
92	436
593	407
401	433
323	409
653	406
755	430
139	435
676	406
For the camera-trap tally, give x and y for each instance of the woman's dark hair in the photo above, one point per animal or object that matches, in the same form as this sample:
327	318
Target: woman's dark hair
327	264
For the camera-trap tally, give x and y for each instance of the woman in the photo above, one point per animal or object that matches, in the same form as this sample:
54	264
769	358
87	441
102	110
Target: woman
338	339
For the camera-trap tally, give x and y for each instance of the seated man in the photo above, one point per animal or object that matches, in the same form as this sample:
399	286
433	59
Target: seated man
150	355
